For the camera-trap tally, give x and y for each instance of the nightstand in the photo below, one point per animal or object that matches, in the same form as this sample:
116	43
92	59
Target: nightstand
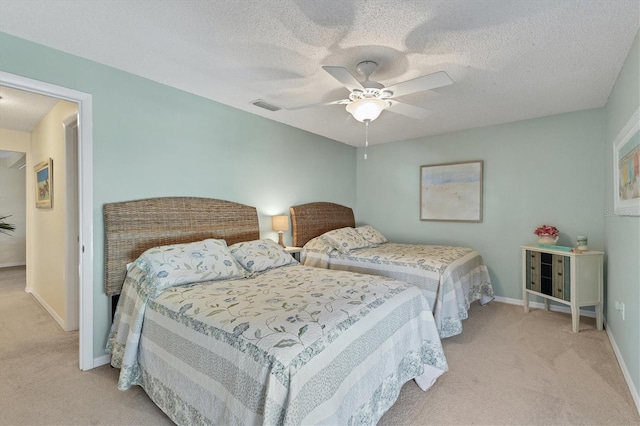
294	251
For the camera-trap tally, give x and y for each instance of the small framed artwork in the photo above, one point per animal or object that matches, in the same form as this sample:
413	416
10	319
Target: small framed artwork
451	192
626	169
44	184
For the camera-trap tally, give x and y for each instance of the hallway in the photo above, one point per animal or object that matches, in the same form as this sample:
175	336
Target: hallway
40	382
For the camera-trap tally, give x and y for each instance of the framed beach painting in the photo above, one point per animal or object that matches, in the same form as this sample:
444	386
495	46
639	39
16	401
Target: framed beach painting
626	169
44	184
451	192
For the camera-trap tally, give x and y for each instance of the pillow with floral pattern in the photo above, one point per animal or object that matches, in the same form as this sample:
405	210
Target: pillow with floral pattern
371	234
178	264
345	239
260	255
318	245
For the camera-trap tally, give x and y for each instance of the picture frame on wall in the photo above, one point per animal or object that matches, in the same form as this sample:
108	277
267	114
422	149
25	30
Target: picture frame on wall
44	184
626	169
451	192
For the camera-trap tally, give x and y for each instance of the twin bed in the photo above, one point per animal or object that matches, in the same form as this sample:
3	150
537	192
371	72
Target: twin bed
220	327
451	278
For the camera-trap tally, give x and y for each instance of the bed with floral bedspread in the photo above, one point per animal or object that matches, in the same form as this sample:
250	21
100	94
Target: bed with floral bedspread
451	278
256	338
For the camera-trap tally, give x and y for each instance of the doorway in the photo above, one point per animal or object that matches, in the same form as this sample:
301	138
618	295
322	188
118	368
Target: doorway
13	215
83	232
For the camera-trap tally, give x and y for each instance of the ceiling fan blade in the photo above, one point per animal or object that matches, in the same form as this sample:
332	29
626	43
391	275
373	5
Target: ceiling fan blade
426	82
345	77
408	110
338	102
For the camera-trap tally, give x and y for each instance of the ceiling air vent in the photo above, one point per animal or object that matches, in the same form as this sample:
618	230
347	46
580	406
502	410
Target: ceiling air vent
262	104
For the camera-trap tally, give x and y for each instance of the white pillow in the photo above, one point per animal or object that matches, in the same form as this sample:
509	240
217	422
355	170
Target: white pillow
371	234
260	255
178	264
319	244
345	239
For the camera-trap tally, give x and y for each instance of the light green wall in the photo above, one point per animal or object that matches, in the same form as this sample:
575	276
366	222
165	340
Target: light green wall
622	233
152	140
542	171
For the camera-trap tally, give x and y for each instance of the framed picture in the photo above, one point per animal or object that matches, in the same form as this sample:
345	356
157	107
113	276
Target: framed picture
451	192
626	170
44	184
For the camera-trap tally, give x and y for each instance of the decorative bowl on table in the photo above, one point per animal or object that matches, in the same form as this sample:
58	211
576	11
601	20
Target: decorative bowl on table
547	234
547	239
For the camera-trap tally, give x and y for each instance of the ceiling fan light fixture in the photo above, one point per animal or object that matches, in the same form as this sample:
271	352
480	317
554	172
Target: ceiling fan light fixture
366	109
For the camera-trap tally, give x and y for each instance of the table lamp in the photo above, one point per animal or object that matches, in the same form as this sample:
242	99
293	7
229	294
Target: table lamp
280	224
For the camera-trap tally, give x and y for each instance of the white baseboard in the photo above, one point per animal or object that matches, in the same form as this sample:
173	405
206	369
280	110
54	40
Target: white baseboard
10	265
625	370
102	360
539	305
46	306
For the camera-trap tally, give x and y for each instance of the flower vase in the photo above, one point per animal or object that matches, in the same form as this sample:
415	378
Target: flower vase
547	239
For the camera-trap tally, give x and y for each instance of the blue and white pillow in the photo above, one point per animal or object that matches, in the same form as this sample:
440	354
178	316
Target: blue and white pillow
260	255
371	234
319	245
178	264
345	239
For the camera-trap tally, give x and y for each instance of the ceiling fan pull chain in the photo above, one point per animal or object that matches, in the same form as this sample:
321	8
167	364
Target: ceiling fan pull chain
366	138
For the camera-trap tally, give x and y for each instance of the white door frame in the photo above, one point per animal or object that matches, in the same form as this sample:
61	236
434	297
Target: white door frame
85	202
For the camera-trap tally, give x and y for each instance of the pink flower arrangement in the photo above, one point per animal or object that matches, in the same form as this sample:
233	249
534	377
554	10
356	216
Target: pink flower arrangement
546	230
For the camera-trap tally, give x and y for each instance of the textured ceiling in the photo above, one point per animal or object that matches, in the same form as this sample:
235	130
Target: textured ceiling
509	59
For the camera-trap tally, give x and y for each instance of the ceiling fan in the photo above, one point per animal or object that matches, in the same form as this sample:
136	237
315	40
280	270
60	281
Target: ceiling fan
369	98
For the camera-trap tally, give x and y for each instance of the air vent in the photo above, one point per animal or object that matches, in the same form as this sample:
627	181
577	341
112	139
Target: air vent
262	104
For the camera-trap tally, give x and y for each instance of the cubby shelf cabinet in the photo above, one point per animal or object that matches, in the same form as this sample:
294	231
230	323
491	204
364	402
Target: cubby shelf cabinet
573	279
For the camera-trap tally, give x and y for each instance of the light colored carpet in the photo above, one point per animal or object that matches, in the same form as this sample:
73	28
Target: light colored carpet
506	368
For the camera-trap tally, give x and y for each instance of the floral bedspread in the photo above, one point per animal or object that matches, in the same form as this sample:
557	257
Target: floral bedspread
291	345
451	278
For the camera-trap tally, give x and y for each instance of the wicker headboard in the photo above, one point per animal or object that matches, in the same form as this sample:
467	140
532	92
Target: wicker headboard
131	227
313	219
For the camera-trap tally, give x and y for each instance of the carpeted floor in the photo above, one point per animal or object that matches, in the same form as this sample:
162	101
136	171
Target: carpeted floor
506	368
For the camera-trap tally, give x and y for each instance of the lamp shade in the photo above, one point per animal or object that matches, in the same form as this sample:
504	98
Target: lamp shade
367	109
280	223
